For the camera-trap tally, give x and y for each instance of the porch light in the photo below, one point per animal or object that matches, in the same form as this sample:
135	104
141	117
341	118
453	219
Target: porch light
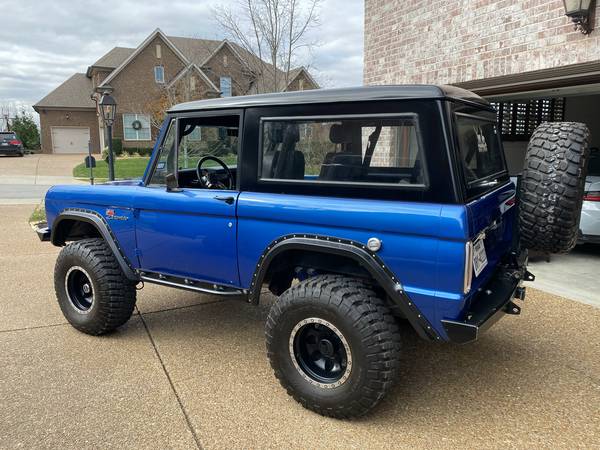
579	11
108	109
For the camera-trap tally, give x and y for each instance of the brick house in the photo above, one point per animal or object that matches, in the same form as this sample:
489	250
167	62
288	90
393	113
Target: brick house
524	56
161	71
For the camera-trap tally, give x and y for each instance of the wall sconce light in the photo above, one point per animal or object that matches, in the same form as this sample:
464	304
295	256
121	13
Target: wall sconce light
580	11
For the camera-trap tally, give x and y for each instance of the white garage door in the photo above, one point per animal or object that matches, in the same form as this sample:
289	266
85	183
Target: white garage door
70	139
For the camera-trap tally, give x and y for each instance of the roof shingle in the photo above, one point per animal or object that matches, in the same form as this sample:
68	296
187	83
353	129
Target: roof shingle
114	57
73	93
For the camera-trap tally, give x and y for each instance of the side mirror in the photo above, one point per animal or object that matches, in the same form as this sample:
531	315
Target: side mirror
171	181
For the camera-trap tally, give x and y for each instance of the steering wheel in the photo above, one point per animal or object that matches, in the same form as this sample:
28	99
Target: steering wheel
209	179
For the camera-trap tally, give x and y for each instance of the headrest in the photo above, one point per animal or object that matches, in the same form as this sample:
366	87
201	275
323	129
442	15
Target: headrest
292	133
275	131
340	133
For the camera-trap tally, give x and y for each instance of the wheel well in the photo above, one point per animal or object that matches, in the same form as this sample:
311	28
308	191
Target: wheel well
301	264
73	230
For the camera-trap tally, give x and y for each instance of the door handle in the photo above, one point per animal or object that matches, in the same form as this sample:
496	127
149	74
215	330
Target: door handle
227	199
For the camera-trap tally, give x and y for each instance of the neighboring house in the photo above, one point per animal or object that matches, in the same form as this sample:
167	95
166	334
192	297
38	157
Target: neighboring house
161	71
526	57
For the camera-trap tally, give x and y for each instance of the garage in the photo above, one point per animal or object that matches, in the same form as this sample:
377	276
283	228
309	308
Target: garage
70	139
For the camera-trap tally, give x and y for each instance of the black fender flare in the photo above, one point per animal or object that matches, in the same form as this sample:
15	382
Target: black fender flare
98	222
359	253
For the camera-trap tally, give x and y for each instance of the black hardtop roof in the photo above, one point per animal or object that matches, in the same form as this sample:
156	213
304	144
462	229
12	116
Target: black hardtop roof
355	94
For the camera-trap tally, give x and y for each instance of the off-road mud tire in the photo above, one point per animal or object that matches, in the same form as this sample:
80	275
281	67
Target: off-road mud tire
551	191
368	327
113	294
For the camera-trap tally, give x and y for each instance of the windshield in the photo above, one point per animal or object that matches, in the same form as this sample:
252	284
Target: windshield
480	149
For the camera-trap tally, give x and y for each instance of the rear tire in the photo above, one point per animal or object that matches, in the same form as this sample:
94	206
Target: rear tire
93	293
333	345
552	186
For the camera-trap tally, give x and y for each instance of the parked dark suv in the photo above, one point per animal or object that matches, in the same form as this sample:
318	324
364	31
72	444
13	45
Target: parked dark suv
359	208
10	144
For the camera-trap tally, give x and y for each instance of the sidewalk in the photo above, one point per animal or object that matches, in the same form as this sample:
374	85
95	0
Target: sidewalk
26	180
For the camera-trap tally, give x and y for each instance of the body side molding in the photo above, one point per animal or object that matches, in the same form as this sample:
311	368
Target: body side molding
359	253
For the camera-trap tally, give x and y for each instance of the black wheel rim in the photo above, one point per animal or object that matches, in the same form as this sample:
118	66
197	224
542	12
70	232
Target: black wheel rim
320	352
79	289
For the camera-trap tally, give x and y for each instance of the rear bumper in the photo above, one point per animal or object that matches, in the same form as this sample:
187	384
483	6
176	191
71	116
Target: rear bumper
492	302
10	150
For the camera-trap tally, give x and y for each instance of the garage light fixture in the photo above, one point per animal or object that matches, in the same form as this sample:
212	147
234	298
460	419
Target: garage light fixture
580	11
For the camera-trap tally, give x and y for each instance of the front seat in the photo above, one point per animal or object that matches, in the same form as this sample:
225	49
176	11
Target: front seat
345	165
289	163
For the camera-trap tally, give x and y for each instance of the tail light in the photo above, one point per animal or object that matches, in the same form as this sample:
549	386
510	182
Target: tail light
592	196
468	277
15	142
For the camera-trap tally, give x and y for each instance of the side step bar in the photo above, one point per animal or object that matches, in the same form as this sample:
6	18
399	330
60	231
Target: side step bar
189	284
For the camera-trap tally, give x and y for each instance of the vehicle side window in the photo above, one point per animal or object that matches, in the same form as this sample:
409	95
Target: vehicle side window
378	150
204	136
166	162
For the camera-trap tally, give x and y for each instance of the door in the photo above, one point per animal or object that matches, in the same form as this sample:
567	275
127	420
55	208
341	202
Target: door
189	231
70	139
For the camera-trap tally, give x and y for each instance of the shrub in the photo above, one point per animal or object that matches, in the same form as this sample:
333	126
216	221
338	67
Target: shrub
117	145
27	130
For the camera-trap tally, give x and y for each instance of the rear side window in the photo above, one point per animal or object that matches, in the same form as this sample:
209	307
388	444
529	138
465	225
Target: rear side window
378	150
480	149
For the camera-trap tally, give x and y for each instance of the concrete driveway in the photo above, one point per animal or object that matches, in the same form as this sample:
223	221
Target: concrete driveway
190	371
26	180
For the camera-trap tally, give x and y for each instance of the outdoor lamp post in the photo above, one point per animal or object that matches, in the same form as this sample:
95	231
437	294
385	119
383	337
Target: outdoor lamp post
579	11
108	109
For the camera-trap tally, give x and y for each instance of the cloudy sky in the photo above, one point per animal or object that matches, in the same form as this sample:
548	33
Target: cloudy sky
43	42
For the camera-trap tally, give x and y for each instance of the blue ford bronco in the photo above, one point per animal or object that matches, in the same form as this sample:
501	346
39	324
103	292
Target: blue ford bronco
360	209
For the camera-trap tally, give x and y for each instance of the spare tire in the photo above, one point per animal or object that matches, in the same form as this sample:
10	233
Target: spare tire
552	184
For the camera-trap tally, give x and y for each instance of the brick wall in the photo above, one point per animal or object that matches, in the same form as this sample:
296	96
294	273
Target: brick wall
450	41
67	118
135	87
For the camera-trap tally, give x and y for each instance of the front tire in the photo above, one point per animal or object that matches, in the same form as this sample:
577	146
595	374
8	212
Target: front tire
93	293
333	345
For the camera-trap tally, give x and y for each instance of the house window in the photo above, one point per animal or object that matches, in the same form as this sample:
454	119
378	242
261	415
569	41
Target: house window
159	74
158	51
136	127
225	86
193	83
225	62
301	84
518	119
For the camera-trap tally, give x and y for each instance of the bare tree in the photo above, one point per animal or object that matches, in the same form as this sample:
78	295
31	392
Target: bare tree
273	33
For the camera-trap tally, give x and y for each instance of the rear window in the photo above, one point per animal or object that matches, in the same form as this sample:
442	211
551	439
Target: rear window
372	150
4	135
480	149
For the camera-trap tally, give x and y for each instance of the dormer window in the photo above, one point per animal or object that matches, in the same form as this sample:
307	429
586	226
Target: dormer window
159	74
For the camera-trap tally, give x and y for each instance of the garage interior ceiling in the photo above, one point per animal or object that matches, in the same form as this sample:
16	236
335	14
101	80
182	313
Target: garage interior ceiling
575	79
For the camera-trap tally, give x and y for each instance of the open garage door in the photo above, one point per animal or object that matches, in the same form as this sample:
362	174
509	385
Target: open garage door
70	139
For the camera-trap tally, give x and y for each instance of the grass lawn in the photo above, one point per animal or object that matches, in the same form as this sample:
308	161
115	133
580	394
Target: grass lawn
124	168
